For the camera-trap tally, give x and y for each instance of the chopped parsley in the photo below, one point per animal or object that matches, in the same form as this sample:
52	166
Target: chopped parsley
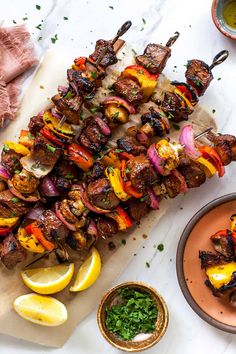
115	116
141	29
160	247
40	38
111	7
15	200
213	111
135	313
95	109
30	136
65	18
14	22
94	74
144	21
38	7
6	148
176	126
135	53
51	148
39	27
25	18
147	264
123	242
69	176
54	39
219	78
17	172
68	95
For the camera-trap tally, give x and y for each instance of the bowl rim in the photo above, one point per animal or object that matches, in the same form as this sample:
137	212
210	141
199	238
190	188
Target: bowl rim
145	286
179	262
217	22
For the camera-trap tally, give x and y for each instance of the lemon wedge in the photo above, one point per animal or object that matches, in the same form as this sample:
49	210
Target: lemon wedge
43	310
48	280
88	272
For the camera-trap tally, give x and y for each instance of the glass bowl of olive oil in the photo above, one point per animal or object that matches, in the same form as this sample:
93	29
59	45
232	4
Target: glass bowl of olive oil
224	16
132	316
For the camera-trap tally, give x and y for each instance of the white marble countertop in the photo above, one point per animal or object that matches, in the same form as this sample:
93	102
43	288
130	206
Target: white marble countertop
88	21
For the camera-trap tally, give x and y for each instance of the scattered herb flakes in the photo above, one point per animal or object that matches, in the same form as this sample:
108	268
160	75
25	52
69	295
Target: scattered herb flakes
54	39
38	7
219	78
65	18
175	126
213	111
95	109
25	18
144	21
134	52
40	38
147	264
69	176
17	172
142	29
14	22
39	27
30	136
15	200
160	247
50	148
135	254
123	242
111	7
137	313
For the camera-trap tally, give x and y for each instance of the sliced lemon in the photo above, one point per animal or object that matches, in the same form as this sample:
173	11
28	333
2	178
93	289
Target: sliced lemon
43	310
48	280
88	272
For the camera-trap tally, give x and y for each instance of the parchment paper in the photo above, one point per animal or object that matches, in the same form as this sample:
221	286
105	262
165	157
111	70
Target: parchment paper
51	73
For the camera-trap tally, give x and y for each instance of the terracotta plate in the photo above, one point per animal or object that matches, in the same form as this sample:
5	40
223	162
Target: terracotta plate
208	220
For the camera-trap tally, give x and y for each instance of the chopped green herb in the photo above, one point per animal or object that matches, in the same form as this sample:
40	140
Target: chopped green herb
111	7
148	65
54	39
143	198
119	150
38	7
14	22
123	242
68	95
213	111
199	82
15	200
135	53
135	313
25	18
40	38
65	18
94	74
51	148
147	264
69	176
39	27
144	21
115	116
31	136
176	126
219	78
160	247
17	172
141	29
6	148
95	109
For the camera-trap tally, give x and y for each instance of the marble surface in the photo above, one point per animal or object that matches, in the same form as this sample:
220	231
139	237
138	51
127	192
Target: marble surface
87	21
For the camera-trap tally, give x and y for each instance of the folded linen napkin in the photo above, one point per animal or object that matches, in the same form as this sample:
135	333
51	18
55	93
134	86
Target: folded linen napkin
16	56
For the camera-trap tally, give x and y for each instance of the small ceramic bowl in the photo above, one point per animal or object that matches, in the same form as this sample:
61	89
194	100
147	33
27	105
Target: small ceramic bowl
133	346
217	16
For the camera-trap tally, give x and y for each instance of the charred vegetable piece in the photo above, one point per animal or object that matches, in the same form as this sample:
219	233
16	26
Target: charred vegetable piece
80	156
224	242
29	241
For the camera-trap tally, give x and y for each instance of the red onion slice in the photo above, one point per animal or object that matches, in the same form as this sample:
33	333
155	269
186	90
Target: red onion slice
153	199
184	187
31	198
92	229
61	217
35	213
155	159
103	126
186	139
48	187
4	174
121	102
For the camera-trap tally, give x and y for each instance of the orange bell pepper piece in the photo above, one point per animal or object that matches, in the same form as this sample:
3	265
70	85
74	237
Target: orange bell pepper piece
26	138
80	156
37	232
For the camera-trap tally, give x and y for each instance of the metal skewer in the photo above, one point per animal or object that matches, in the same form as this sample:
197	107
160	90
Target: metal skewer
219	58
172	39
208	130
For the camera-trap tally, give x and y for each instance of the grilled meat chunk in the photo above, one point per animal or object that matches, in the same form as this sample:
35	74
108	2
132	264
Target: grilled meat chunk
129	89
97	172
156	122
11	252
223	242
10	160
154	58
53	228
101	194
131	145
91	136
10	206
172	185
109	58
225	145
35	125
198	75
80	85
64	174
171	105
193	173
137	209
209	259
141	173
45	151
106	227
69	108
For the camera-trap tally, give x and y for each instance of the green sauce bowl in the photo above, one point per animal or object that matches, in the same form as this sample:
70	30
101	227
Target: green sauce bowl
133	346
218	16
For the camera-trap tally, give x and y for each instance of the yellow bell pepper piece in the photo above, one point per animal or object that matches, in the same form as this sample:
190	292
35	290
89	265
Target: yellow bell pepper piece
121	223
9	222
147	81
18	148
29	242
114	176
111	159
189	104
209	168
220	275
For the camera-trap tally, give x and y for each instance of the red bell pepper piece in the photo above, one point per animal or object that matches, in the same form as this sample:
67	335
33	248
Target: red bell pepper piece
49	135
80	156
132	191
80	63
125	155
124	216
37	232
4	231
211	154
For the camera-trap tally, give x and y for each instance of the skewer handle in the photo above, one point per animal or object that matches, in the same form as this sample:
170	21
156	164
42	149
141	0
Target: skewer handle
172	39
219	58
123	29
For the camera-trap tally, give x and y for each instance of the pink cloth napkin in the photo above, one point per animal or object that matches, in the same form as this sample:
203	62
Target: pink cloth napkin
16	56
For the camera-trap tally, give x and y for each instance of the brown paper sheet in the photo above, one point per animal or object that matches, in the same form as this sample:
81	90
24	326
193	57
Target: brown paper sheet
114	262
